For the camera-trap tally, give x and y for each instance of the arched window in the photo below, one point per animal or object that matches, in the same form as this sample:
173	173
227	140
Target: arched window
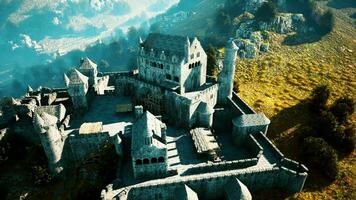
196	64
160	159
138	162
161	66
190	66
168	76
153	160
199	63
198	54
146	161
174	59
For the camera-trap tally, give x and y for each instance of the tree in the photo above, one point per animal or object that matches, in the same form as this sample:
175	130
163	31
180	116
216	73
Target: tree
319	97
266	12
343	108
212	66
317	153
348	142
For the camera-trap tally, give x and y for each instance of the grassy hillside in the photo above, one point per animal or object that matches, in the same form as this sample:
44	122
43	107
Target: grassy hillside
278	82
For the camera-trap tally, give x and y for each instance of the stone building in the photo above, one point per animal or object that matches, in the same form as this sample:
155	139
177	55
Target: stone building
78	87
90	70
173	62
51	139
148	146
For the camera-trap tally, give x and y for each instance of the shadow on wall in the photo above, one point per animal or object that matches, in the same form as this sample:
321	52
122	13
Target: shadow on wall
340	4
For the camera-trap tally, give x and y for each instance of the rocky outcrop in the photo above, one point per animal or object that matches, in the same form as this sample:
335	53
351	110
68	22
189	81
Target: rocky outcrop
252	5
250	41
283	23
252	36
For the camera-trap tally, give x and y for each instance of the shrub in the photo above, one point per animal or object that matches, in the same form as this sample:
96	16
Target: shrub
348	141
326	125
319	97
267	12
343	108
326	22
319	154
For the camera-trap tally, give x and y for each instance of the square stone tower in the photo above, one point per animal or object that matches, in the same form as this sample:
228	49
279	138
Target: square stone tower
174	62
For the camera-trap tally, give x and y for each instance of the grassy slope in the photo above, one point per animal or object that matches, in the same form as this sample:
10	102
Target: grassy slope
276	83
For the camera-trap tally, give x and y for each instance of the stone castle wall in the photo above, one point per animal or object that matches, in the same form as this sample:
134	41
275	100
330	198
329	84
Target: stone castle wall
211	186
83	146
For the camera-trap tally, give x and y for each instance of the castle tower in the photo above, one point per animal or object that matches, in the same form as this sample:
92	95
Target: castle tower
226	76
78	88
89	69
46	126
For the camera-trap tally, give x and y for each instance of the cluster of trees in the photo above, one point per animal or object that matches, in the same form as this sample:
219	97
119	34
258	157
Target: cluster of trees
213	56
267	12
323	20
329	133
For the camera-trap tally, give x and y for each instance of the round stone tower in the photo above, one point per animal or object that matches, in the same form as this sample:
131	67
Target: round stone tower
226	76
46	126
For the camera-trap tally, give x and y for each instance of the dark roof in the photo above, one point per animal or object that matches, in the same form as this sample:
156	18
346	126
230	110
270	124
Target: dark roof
170	44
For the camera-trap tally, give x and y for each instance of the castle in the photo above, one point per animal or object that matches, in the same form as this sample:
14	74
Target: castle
186	135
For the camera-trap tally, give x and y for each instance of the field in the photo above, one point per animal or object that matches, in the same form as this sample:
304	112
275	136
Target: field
277	83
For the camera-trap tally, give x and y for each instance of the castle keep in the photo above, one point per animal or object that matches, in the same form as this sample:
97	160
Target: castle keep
182	134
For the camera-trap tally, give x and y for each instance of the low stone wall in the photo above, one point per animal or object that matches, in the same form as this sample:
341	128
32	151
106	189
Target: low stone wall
274	150
242	104
220	166
255	148
211	186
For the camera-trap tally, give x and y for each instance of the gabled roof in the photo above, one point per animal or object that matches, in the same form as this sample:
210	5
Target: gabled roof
86	63
66	79
145	127
75	77
170	44
29	88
